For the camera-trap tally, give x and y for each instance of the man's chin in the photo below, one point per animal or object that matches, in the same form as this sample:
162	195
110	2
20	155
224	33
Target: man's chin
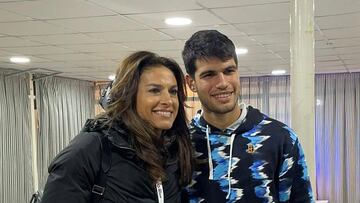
224	109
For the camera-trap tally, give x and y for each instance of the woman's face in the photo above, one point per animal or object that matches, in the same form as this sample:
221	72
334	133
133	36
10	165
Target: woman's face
157	97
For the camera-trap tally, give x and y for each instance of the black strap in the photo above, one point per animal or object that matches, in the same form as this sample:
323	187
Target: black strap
99	186
36	197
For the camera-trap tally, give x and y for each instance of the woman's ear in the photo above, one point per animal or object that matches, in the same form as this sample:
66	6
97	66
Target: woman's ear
190	82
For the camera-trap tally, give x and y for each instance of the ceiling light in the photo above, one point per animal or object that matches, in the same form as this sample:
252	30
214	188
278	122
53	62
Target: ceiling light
111	77
178	21
240	51
278	72
18	59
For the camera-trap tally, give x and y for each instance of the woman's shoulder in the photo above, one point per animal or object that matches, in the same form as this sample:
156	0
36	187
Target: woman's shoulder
86	140
85	148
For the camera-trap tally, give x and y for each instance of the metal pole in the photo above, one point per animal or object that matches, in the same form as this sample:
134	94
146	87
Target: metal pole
33	134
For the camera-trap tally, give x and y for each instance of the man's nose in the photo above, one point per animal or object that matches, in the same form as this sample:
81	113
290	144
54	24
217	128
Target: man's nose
222	81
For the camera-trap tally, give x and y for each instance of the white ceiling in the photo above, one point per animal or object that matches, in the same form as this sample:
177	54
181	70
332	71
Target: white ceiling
86	39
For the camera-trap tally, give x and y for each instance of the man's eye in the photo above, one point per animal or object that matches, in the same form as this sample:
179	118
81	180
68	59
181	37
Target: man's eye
207	75
229	71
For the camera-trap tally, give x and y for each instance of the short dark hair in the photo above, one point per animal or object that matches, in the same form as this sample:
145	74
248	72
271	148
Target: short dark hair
206	44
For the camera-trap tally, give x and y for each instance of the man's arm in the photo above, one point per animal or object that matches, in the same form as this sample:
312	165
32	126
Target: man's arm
294	181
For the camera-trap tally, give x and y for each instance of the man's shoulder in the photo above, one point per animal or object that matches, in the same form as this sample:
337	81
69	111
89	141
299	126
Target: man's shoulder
276	129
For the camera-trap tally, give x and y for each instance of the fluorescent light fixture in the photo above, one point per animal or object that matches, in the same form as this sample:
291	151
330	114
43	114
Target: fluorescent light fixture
240	51
19	59
178	21
111	77
278	72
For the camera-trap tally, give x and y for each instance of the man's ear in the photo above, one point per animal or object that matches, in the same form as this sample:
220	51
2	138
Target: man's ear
190	82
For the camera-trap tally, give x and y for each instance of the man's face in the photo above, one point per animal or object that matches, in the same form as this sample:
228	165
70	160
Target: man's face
217	84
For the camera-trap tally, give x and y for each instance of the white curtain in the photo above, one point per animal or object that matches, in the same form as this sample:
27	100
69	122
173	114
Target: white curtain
63	107
269	94
15	138
337	127
338	137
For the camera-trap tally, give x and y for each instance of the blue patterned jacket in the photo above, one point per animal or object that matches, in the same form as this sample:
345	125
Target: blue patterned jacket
260	161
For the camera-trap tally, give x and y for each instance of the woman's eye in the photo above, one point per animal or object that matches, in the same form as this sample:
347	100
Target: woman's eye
174	92
154	90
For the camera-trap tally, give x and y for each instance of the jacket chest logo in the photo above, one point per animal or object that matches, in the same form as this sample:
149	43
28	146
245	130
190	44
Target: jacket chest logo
250	148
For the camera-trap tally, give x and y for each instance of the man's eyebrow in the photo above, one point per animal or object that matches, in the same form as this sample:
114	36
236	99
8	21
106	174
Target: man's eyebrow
207	72
231	67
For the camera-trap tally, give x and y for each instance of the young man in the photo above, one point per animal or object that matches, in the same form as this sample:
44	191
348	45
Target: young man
241	154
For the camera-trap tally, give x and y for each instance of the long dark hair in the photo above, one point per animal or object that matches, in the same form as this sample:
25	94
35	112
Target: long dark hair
147	144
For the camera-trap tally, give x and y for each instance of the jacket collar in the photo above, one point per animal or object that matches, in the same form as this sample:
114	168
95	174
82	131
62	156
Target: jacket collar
117	133
252	118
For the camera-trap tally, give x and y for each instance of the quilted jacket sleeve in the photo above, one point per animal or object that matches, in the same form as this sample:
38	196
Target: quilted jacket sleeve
72	172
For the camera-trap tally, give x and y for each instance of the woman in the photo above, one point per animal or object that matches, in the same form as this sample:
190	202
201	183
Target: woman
138	150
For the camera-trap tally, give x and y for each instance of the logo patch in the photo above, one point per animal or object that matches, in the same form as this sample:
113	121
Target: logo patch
250	148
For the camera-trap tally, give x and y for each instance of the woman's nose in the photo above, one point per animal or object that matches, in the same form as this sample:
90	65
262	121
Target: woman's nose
166	98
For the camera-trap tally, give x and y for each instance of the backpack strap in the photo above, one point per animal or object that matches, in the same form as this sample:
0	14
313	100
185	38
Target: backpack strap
36	197
99	186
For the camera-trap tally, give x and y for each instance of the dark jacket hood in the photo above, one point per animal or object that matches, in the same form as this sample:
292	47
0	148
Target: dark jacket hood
117	133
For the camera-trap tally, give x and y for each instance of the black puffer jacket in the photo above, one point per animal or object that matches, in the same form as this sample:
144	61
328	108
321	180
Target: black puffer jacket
72	173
